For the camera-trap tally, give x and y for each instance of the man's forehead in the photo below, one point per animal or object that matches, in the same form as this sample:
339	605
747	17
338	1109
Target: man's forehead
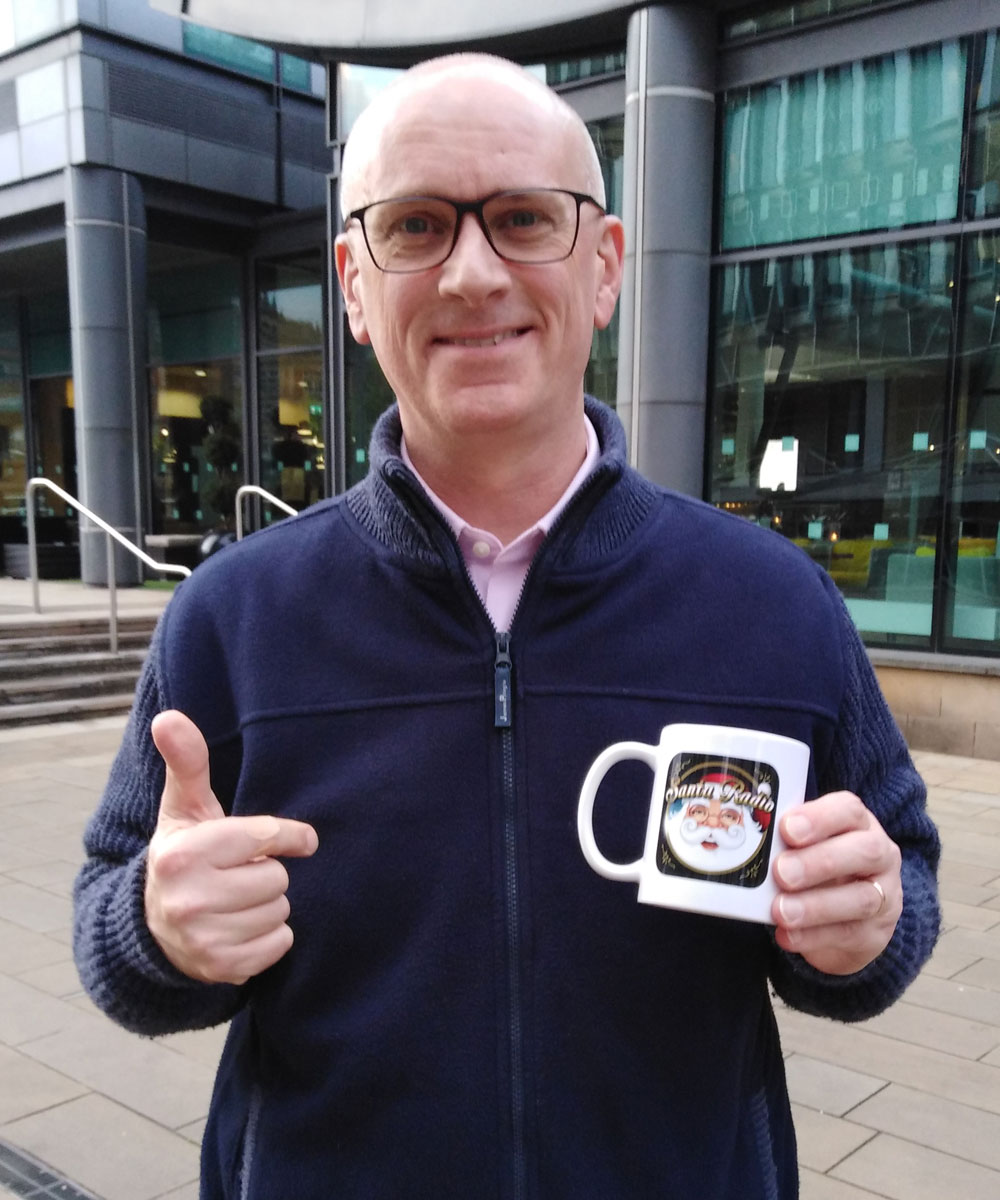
439	126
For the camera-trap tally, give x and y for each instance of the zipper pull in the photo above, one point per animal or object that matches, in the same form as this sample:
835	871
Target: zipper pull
502	694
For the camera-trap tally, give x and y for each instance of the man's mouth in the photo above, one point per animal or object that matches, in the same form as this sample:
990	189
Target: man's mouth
709	845
479	342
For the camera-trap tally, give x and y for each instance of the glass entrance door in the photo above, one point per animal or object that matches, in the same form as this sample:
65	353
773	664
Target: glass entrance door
54	456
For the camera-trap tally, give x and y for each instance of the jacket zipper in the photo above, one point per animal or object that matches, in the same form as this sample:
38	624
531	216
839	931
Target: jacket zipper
502	719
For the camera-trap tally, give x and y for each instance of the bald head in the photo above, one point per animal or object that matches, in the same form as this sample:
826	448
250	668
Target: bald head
447	79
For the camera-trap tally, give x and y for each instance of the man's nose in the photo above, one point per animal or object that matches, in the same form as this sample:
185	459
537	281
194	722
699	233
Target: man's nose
473	270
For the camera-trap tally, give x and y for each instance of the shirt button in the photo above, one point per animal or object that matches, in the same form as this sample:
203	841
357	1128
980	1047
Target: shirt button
482	549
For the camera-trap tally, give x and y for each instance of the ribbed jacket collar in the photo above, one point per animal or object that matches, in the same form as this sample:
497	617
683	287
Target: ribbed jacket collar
390	504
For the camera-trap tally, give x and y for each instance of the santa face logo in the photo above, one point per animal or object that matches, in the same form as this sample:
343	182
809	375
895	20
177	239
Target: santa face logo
716	821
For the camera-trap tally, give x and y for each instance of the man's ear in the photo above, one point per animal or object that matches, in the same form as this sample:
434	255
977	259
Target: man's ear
350	285
611	259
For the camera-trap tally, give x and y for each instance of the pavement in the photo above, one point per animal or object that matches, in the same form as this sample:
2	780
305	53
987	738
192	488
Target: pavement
66	601
904	1107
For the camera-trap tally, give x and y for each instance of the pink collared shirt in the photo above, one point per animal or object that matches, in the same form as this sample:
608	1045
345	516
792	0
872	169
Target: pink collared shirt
497	571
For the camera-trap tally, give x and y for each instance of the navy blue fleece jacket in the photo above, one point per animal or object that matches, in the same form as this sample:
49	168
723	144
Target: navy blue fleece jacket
468	1010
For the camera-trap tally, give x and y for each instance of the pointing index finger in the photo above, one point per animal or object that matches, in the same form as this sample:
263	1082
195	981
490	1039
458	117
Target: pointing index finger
239	840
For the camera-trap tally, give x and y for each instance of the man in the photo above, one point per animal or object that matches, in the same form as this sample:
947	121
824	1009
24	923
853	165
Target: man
401	691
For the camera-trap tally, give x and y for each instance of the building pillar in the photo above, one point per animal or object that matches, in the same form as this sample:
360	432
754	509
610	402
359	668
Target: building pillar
106	255
668	197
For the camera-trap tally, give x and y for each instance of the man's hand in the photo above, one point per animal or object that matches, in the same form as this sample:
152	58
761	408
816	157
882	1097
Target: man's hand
828	909
215	891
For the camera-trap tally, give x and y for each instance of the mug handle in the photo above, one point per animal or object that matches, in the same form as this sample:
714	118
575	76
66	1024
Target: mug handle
585	810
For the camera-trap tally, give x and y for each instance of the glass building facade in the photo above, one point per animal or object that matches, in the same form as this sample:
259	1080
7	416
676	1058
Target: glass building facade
856	288
851	389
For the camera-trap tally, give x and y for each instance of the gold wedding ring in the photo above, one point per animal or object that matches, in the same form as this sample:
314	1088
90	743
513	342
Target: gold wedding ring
881	896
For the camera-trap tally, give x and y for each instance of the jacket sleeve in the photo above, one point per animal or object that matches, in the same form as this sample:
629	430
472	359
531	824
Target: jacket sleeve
869	757
120	964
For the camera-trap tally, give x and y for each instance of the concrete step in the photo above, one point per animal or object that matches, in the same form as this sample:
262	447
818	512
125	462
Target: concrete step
62	669
77	709
72	643
44	665
86	631
50	688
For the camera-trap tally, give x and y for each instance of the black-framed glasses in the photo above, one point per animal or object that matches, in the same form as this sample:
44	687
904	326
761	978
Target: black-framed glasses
529	225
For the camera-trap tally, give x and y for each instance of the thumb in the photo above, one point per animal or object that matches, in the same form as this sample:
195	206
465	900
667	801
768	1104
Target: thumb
187	797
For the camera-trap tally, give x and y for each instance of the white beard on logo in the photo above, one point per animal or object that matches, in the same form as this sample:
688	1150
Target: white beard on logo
710	849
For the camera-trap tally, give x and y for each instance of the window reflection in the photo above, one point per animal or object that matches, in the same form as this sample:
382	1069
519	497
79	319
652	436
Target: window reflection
972	576
767	18
293	451
54	437
827	419
861	146
601	378
290	379
197	444
983	188
196	393
290	303
13	473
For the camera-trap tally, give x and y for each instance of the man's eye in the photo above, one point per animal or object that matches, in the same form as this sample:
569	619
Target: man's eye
415	224
522	220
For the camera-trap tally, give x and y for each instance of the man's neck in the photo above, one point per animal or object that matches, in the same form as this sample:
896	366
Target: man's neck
499	488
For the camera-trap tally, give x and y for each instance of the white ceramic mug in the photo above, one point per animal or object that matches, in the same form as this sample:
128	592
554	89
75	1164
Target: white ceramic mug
718	794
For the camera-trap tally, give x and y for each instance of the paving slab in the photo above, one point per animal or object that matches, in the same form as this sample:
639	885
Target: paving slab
905	1170
953	1129
825	1140
30	1087
856	1049
959	1036
955	997
107	1148
814	1186
169	1088
826	1087
983	973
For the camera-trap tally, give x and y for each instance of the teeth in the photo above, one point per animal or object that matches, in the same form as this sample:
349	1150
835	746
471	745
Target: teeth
490	341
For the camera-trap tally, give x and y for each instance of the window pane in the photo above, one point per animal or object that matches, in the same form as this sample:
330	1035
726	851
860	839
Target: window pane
787	16
197	446
228	49
869	145
293	454
54	437
367	394
571	70
48	335
357	86
13	468
983	195
973	569
296	72
194	308
601	379
827	416
290	303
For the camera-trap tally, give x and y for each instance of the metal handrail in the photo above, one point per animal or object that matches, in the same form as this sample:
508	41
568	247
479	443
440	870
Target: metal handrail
112	533
248	489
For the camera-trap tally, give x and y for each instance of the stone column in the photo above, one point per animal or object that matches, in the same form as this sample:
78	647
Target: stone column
106	256
668	196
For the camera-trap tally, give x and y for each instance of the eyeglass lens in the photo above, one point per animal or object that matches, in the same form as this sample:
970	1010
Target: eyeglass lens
418	232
